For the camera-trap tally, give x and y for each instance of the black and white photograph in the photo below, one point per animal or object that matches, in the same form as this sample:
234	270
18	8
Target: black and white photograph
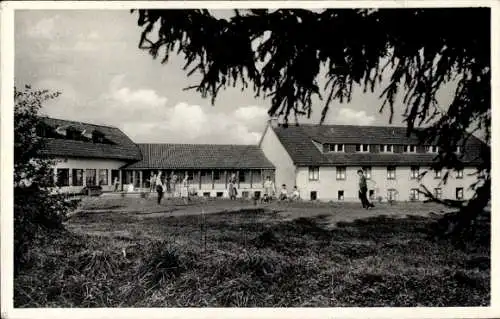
248	155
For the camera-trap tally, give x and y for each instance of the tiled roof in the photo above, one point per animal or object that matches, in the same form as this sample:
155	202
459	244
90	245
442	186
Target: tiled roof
298	141
121	146
200	156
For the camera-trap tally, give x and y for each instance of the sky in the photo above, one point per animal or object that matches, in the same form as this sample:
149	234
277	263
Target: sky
93	58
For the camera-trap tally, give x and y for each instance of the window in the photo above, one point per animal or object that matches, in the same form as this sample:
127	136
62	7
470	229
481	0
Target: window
336	147
414	194
437	173
313	173
103	177
438	193
241	176
411	148
340	195
433	149
386	148
459	193
206	194
314	195
391	172
77	177
414	172
245	194
90	178
219	194
368	172
62	177
362	148
391	194
216	175
460	173
341	172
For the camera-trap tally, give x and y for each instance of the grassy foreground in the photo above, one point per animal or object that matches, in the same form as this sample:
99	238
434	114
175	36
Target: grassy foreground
251	257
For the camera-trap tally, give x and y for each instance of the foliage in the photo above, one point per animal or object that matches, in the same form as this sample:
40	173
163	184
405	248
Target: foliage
281	54
36	210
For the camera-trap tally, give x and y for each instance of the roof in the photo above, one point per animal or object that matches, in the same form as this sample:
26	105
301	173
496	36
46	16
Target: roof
201	156
298	142
119	146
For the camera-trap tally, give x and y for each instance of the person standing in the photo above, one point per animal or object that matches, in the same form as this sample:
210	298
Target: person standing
363	189
152	181
185	189
159	187
232	187
174	183
116	184
269	189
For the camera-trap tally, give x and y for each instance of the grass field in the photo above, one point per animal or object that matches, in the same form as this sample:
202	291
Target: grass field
134	253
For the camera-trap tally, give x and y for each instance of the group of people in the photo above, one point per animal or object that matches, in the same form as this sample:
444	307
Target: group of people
168	184
270	192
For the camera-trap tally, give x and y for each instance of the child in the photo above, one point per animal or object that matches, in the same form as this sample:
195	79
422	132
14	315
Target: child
283	192
295	194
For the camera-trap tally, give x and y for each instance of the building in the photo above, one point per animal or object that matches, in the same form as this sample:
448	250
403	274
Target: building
86	154
323	160
208	167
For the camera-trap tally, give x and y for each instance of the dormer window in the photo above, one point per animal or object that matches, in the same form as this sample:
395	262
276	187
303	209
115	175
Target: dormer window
411	148
433	149
97	137
362	148
387	148
336	148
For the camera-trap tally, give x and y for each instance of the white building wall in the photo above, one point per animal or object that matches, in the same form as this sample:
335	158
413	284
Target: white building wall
327	186
273	149
90	163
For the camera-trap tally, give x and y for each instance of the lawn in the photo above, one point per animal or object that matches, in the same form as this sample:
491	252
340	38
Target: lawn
134	253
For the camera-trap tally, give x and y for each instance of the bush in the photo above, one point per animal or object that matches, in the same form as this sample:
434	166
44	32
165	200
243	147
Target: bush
36	213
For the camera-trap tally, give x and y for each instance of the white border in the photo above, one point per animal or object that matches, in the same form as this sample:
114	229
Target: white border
6	126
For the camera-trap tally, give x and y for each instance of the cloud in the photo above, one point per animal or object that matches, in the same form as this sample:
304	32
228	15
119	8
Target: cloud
146	117
44	29
352	117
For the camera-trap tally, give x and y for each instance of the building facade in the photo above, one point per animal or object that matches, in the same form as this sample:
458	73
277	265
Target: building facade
208	167
323	160
86	154
89	155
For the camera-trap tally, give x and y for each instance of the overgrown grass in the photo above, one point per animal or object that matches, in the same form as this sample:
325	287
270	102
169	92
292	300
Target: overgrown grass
253	258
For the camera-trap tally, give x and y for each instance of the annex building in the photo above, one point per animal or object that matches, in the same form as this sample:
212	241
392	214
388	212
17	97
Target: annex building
321	160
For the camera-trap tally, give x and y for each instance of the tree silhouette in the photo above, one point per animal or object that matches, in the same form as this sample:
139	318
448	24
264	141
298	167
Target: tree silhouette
420	49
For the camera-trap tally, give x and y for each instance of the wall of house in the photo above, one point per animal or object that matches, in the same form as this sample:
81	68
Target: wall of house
80	163
276	153
327	186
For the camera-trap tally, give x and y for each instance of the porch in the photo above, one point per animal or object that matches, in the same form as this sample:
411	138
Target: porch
206	182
